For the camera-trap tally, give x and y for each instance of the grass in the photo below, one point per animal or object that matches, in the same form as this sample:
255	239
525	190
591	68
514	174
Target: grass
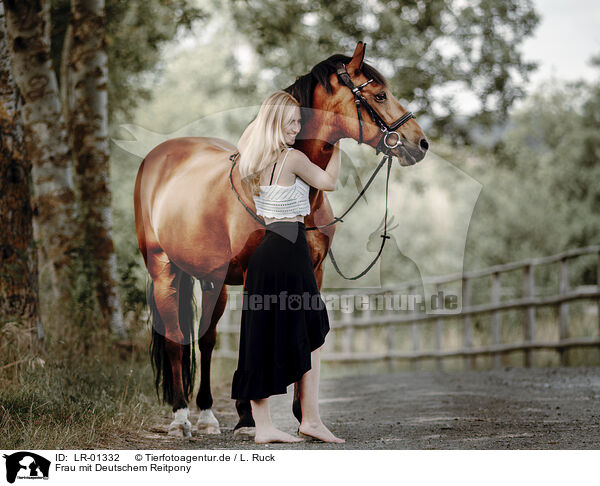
76	405
76	400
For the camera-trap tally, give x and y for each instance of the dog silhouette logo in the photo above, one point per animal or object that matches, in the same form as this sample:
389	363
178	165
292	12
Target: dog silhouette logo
26	465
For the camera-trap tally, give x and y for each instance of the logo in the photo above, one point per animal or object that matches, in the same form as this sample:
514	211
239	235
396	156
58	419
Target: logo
26	465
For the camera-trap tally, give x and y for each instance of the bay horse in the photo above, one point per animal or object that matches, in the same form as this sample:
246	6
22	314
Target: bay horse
190	224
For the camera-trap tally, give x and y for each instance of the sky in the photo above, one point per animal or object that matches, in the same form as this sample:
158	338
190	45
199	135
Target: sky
566	37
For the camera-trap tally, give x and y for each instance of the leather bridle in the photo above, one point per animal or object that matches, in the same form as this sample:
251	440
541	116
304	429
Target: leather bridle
388	131
383	145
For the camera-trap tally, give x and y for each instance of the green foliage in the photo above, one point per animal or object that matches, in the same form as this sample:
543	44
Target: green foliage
136	31
431	51
134	296
540	191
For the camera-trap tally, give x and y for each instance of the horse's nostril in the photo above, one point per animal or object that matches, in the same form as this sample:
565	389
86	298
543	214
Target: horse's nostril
424	144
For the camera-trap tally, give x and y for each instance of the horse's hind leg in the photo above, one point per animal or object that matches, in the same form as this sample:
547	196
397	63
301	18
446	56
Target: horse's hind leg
213	306
171	347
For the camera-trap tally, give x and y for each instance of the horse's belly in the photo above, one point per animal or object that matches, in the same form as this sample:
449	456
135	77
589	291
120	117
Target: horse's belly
190	224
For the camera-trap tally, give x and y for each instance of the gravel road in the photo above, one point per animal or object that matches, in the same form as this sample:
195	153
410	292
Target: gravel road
513	408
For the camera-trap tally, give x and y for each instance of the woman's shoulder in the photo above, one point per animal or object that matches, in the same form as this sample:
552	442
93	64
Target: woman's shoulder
296	155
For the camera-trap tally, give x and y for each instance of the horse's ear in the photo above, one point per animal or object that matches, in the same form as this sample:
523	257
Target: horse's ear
357	58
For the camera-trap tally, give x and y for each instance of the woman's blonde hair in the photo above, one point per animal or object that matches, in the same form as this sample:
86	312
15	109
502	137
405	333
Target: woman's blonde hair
263	140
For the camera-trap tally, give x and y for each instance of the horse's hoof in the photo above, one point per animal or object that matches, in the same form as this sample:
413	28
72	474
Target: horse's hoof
181	431
208	423
181	426
245	432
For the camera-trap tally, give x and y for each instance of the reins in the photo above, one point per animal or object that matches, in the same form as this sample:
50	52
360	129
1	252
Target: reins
386	158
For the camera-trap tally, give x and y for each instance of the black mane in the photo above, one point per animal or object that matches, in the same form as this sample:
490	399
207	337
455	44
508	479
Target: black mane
303	88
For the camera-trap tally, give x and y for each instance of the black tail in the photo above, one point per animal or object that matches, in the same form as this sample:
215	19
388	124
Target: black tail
160	360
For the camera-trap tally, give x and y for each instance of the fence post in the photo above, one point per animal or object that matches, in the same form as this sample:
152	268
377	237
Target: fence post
529	323
439	322
330	342
367	315
414	362
467	338
226	344
598	283
496	316
564	310
388	310
348	343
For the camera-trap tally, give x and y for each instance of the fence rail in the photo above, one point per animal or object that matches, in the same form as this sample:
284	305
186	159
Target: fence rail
341	343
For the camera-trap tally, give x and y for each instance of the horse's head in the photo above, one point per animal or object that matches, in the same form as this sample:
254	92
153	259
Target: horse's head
350	99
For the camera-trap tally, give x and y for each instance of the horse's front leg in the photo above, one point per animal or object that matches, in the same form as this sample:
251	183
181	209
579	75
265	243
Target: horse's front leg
214	299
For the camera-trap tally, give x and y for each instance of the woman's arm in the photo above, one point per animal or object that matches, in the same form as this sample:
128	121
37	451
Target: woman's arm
325	180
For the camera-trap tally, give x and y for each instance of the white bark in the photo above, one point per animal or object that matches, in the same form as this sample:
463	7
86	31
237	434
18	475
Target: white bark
27	23
88	79
18	259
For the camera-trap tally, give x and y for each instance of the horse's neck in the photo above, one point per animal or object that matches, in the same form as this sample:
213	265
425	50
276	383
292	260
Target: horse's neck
316	141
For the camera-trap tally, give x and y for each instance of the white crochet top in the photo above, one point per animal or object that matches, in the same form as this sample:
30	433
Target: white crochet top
279	202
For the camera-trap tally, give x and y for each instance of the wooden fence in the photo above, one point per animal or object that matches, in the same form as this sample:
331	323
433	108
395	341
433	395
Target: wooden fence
379	327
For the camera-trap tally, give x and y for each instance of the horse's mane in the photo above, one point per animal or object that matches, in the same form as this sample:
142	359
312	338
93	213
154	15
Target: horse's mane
303	88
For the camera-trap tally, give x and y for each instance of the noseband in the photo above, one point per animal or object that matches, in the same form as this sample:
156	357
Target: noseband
388	131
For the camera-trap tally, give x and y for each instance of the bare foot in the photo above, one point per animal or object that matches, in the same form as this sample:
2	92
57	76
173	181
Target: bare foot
319	431
271	434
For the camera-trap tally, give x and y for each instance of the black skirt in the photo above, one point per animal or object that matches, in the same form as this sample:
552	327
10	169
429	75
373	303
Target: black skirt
284	317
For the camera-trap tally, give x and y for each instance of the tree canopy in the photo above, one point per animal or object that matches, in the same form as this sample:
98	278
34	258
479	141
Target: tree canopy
430	50
540	186
136	30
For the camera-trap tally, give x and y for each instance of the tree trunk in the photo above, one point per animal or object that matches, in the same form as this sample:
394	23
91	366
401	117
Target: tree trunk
87	86
27	23
66	81
18	259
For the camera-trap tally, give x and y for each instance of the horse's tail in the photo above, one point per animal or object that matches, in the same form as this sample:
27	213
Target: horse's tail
160	359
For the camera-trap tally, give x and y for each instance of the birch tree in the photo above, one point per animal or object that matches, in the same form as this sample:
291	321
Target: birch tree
28	27
85	105
67	131
18	259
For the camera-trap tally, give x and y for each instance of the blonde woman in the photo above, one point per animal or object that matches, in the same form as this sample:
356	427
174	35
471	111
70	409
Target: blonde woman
284	319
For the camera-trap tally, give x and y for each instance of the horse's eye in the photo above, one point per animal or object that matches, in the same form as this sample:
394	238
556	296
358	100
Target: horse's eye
380	97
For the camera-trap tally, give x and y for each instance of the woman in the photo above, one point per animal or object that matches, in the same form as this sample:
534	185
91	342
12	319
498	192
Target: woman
284	319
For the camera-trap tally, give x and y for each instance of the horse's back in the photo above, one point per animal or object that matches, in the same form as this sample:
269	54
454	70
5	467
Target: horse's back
182	199
178	150
175	157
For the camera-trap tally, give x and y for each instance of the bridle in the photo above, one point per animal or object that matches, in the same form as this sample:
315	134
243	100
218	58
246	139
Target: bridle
384	146
388	131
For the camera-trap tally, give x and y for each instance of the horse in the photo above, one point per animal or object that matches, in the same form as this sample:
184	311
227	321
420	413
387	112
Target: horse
190	224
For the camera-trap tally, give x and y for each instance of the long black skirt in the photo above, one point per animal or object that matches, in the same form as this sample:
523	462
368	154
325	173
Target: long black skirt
284	317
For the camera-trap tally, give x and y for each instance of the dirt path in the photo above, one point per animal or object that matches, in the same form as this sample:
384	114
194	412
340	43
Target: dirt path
504	409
